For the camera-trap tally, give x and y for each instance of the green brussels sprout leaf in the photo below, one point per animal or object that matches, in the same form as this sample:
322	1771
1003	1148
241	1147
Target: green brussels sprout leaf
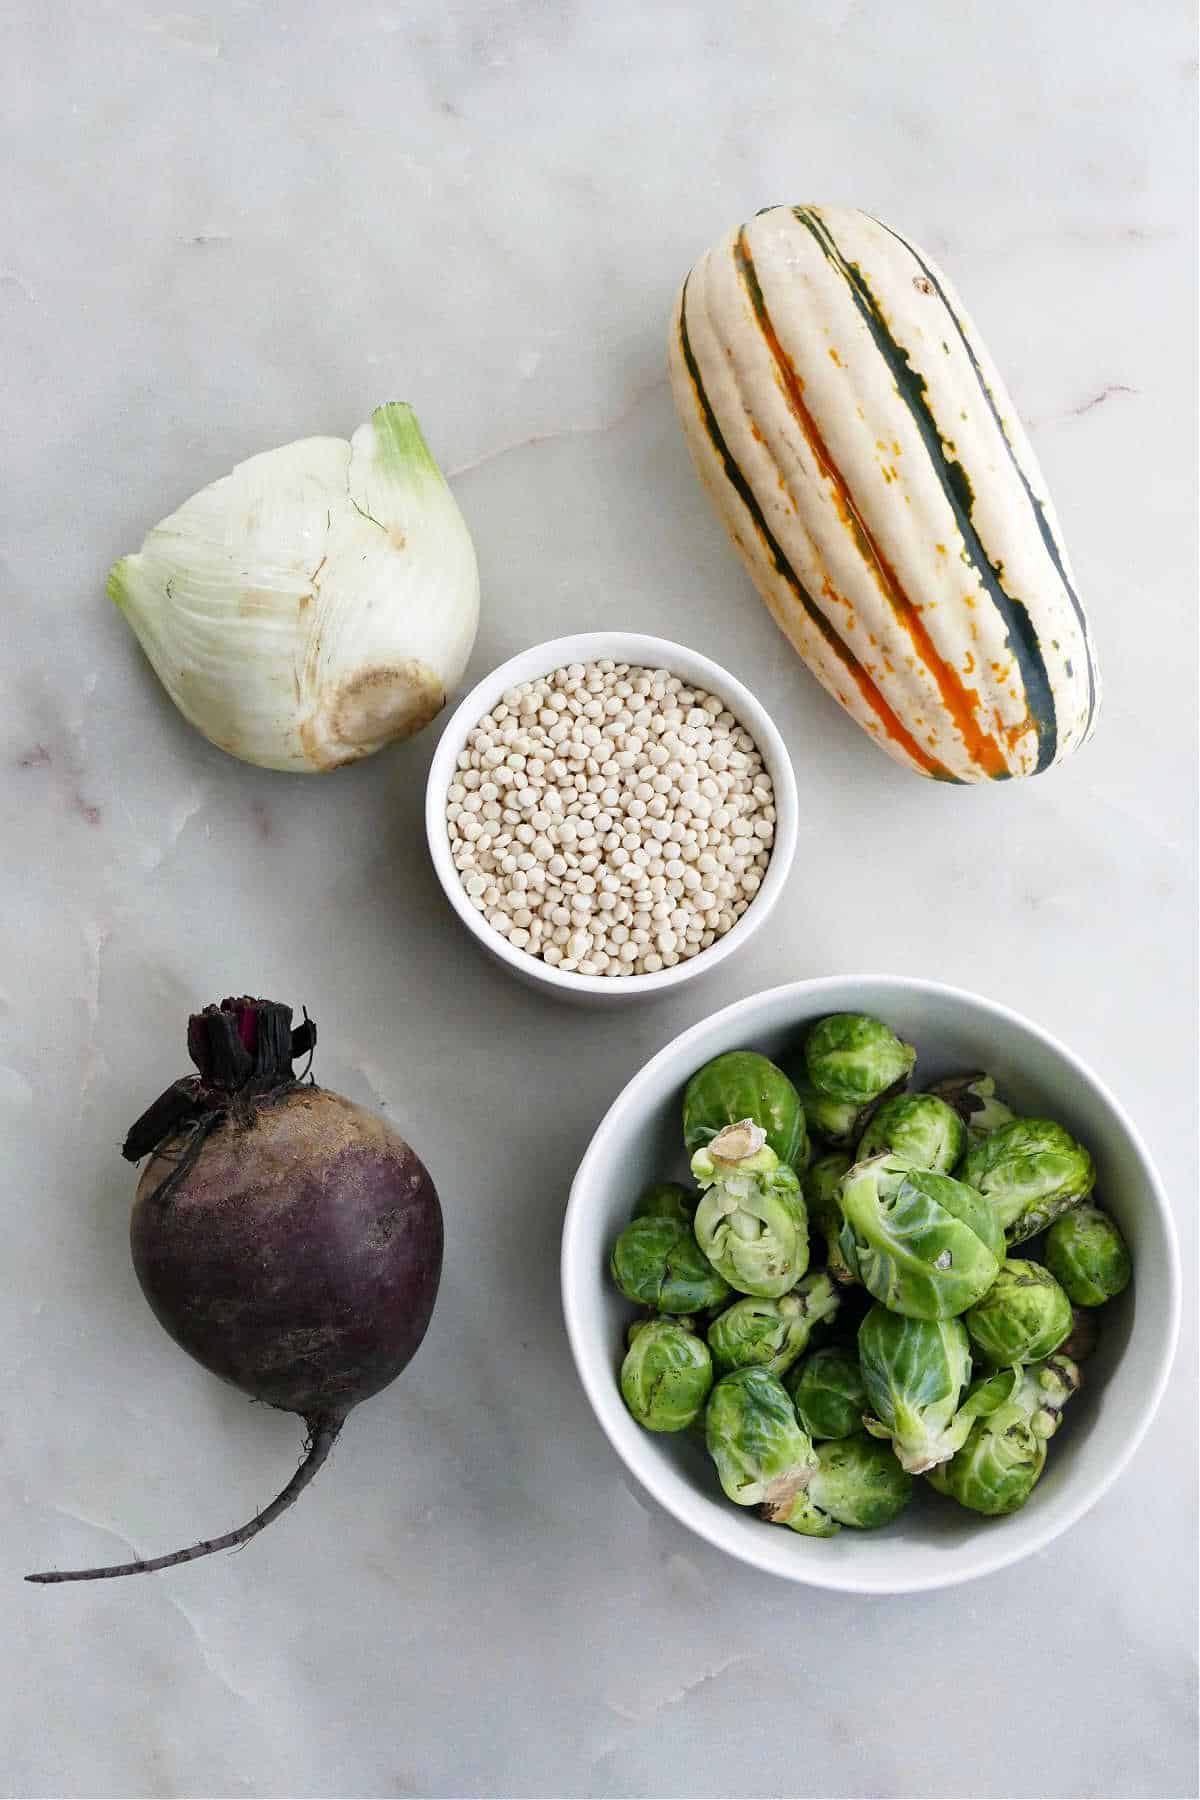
997	1467
835	1122
828	1392
658	1263
1044	1391
855	1059
916	1373
1030	1171
923	1244
821	1185
856	1482
751	1222
741	1085
666	1200
666	1375
1001	1461
1023	1316
762	1453
1088	1256
918	1127
771	1333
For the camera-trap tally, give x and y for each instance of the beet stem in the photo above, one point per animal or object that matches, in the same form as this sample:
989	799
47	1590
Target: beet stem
323	1429
242	1041
174	1107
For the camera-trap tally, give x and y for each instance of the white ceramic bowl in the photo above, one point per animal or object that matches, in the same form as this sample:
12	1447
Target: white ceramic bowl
935	1543
651	653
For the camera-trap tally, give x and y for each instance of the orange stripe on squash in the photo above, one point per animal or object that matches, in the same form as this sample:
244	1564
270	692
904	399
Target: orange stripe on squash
961	702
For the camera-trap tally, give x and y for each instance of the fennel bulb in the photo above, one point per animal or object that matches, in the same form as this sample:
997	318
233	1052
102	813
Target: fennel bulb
317	603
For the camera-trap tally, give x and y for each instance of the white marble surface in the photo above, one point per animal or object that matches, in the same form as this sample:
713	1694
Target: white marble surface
229	227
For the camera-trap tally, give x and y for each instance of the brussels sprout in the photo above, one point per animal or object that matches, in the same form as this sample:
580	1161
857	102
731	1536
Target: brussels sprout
853	1058
836	1122
751	1222
666	1375
771	1333
1084	1336
924	1244
658	1263
666	1200
1087	1255
1030	1171
999	1465
856	1482
829	1393
744	1085
920	1128
1023	1316
973	1098
821	1184
762	1452
916	1373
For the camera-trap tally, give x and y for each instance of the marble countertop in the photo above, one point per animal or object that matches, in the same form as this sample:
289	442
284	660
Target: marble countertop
228	227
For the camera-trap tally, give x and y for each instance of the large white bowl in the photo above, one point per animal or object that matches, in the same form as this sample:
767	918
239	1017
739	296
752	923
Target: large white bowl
650	653
935	1544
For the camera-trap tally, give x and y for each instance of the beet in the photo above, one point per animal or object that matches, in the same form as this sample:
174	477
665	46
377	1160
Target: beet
288	1240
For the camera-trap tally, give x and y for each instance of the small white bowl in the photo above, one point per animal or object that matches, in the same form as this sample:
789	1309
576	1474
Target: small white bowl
935	1543
646	652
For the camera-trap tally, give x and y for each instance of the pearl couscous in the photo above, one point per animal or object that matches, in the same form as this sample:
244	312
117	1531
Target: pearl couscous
610	819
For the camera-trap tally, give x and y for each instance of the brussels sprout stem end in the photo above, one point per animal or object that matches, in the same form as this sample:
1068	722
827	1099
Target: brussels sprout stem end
780	1496
737	1142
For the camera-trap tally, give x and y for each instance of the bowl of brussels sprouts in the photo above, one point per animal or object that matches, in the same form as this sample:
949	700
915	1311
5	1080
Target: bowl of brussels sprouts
871	1283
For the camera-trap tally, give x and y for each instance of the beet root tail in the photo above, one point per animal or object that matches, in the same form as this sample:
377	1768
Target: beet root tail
323	1430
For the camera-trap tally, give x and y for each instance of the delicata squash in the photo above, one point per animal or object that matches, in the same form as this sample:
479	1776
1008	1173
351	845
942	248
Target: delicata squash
861	450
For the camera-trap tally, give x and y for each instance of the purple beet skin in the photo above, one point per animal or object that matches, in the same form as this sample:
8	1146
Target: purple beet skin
299	1257
288	1240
